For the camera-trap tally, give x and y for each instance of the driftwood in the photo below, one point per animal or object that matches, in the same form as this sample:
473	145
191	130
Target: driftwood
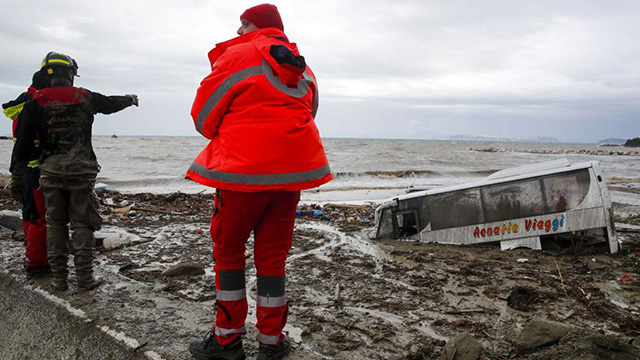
124	209
466	311
346	206
561	280
129	245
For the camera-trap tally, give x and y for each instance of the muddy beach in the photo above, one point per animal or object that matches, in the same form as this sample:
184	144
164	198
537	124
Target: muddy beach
353	297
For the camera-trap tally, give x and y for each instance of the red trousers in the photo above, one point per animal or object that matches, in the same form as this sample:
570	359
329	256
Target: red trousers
35	234
270	215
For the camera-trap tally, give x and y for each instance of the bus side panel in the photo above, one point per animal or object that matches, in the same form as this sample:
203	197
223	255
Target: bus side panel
558	223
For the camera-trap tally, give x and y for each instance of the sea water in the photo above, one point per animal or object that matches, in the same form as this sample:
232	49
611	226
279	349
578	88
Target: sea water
364	169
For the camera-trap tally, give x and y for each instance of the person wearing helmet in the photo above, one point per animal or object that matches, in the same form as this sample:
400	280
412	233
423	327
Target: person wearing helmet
62	117
31	198
257	106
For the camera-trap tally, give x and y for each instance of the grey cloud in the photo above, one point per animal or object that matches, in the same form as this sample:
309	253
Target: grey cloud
442	67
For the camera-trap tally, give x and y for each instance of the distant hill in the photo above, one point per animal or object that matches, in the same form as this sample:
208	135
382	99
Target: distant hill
612	142
536	139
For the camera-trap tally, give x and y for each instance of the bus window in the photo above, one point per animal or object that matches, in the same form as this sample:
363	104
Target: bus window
453	209
385	229
512	200
407	223
419	205
566	191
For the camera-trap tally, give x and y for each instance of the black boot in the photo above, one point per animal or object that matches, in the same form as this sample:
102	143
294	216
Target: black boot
90	283
32	271
209	349
274	352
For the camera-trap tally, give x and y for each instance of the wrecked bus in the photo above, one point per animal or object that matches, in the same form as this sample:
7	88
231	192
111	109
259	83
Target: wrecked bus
514	206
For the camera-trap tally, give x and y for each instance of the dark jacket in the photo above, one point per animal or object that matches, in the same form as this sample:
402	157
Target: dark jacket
62	118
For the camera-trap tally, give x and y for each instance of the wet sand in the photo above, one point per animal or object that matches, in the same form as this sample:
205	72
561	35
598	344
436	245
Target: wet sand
353	297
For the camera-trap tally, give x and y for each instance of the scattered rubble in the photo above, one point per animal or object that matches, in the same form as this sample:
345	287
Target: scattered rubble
521	298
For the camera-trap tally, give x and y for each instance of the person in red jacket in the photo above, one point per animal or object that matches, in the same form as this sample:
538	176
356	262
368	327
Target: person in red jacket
257	106
25	189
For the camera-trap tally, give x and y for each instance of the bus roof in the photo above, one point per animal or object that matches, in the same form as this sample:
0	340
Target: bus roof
506	175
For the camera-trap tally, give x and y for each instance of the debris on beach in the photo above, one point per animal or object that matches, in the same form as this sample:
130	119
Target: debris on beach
603	152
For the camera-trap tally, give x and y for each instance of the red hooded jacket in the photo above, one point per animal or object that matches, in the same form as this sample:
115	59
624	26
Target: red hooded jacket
257	106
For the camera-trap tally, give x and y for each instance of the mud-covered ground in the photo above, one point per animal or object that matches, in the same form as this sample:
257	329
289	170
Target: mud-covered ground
353	297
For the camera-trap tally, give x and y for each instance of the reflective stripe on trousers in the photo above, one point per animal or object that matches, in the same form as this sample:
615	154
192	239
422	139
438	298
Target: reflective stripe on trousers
268	339
272	309
231	303
226	332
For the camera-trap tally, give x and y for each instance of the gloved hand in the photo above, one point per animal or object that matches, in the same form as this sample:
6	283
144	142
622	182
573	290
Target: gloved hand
134	99
17	187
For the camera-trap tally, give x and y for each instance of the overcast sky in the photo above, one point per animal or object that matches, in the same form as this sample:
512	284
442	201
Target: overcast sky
404	69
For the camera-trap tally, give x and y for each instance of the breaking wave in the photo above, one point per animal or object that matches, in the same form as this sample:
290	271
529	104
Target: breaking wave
386	174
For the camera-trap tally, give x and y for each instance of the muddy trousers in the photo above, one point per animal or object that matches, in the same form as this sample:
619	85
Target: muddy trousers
35	231
70	201
270	215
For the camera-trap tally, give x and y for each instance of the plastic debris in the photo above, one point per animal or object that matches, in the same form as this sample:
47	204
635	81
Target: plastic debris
100	187
123	210
625	277
317	213
108	240
523	260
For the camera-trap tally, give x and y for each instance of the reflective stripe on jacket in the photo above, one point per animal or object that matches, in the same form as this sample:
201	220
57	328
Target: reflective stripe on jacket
257	106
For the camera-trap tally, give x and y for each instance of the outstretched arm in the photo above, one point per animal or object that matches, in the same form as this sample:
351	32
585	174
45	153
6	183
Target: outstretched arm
110	104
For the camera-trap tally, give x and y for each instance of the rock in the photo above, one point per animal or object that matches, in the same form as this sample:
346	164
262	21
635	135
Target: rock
537	334
462	347
635	142
11	222
189	268
18	236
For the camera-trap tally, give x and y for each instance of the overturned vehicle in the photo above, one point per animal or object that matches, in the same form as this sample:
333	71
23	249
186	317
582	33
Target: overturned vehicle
514	206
